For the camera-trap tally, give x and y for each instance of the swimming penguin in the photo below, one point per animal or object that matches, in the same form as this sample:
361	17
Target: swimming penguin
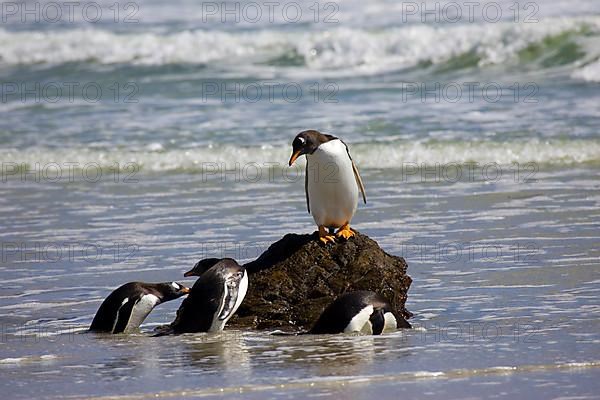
331	182
214	298
127	307
360	311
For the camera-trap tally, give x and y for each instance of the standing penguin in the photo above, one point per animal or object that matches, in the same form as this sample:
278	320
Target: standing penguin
361	311
124	310
214	298
331	182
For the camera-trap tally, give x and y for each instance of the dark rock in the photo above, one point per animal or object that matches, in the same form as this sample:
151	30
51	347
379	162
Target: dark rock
297	277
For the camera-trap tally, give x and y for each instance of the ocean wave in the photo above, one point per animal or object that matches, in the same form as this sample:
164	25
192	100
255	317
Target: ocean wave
350	49
590	72
374	155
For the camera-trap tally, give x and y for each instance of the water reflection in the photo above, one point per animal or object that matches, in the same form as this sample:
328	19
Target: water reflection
216	351
325	355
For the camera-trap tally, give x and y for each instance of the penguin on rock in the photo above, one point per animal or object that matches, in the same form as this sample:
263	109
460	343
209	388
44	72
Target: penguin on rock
332	183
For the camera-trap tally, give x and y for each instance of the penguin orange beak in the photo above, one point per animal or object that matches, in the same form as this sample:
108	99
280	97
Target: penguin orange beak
189	273
294	156
185	290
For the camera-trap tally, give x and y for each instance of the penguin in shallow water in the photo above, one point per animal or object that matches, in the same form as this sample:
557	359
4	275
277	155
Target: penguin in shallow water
213	299
124	310
360	311
331	182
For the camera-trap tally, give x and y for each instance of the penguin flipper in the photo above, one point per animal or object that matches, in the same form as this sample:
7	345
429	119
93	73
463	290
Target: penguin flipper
228	306
124	315
359	181
306	187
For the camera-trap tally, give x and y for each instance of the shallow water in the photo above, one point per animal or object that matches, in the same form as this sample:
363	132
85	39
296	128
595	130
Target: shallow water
504	292
493	204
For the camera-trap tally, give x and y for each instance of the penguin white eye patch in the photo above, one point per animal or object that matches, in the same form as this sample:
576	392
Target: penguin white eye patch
175	285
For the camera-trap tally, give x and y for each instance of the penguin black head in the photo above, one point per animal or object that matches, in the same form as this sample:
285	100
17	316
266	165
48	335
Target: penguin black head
202	266
306	142
171	290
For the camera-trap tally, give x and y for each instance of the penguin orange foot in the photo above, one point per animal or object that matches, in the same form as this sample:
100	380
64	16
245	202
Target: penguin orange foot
324	236
345	232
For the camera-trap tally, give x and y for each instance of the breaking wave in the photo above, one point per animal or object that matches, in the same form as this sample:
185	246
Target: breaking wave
553	41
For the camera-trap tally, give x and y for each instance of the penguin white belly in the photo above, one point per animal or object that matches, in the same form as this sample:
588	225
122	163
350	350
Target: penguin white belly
332	187
360	322
140	311
390	323
241	292
218	323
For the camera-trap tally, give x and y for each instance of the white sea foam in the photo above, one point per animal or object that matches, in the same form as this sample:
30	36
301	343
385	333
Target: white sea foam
352	49
367	155
590	73
28	359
